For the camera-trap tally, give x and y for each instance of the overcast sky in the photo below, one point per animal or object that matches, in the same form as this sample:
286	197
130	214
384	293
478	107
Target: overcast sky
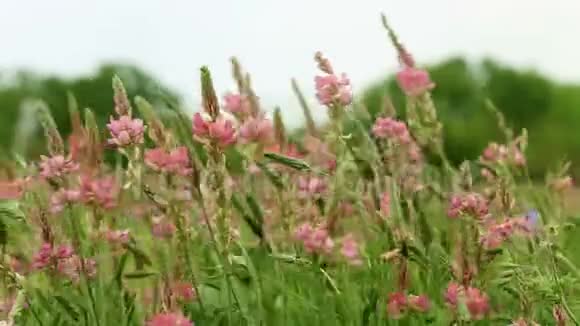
275	40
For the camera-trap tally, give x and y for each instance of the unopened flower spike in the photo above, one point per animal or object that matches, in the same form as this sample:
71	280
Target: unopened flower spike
122	104
53	138
405	57
209	98
279	128
238	75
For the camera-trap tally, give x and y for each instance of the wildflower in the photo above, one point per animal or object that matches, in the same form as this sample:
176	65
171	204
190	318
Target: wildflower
477	302
319	241
43	257
258	130
389	128
163	229
72	267
118	236
560	315
331	89
311	187
452	294
237	104
220	132
472	204
126	131
386	204
176	161
169	319
350	250
303	231
61	198
101	192
496	153
414	82
56	166
184	291
419	303
396	305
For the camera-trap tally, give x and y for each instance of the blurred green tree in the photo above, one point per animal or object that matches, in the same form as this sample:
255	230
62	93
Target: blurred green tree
92	91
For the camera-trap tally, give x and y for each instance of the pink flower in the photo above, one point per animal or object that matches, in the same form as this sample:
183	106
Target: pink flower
331	89
163	229
118	236
221	132
396	305
419	303
169	319
319	241
43	257
176	161
101	192
477	303
64	252
311	187
452	294
350	250
414	82
257	130
126	131
184	291
72	267
236	104
61	198
560	315
56	166
391	129
303	231
472	204
386	204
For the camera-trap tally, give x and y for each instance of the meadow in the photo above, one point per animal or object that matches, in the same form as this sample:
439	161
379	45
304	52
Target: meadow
228	218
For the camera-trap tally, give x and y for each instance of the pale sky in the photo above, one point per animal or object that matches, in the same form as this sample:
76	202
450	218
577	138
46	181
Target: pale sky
275	40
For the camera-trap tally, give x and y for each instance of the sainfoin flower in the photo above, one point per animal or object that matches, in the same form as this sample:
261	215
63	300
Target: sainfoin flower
126	131
48	255
451	294
332	89
396	305
471	203
392	129
118	236
315	239
419	303
99	191
162	228
477	302
311	187
61	198
184	291
56	166
169	319
220	132
414	82
257	130
11	189
237	104
350	250
176	161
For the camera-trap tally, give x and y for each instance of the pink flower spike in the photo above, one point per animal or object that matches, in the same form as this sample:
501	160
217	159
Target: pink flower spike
396	305
257	130
61	198
184	291
178	161
118	236
331	89
222	132
236	104
156	159
126	131
419	303
56	166
414	82
452	294
169	319
350	250
477	303
101	192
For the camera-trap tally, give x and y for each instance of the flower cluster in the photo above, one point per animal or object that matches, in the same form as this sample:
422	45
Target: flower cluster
472	204
257	130
101	192
497	153
56	166
331	89
126	131
476	301
237	104
350	250
389	128
169	319
175	161
398	303
316	239
220	132
311	187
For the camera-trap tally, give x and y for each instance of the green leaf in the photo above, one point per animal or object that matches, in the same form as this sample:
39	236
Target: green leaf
139	275
67	307
274	177
290	162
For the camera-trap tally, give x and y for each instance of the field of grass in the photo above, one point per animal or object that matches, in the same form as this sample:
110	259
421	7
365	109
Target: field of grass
225	218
